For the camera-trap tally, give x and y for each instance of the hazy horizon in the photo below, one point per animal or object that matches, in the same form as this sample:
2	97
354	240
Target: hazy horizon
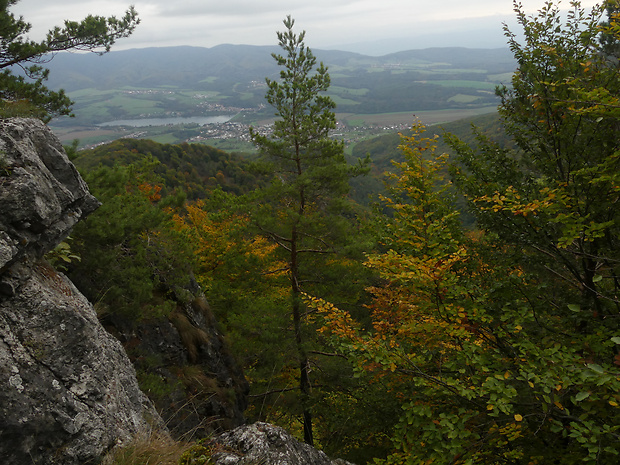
361	26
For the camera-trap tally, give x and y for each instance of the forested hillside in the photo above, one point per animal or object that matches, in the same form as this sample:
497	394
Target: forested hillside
461	309
195	169
384	150
397	333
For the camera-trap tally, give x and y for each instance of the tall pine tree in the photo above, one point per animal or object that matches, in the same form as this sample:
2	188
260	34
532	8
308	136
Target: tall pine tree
304	209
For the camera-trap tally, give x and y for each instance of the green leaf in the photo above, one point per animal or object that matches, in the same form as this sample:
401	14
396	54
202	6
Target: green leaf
596	368
582	395
597	278
574	308
615	340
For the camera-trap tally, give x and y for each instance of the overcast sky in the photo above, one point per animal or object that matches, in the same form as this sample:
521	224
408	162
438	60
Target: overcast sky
380	26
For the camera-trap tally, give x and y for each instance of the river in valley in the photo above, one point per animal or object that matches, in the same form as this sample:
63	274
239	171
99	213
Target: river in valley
140	123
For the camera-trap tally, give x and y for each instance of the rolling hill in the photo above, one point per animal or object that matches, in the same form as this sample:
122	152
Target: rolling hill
192	81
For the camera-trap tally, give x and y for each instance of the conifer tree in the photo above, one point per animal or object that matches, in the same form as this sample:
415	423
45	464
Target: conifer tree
130	254
25	94
302	209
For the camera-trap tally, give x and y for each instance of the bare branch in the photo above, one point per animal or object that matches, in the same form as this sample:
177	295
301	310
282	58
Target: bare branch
327	354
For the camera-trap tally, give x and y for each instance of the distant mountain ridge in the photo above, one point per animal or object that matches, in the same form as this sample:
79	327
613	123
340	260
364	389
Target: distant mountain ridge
184	66
185	81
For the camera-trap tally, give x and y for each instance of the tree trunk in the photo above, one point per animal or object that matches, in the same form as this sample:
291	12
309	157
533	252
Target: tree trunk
304	380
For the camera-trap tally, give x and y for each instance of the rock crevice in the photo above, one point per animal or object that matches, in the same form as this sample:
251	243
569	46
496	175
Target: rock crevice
68	392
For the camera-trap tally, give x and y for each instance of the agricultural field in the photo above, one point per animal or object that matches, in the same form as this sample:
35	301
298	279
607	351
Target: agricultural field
435	85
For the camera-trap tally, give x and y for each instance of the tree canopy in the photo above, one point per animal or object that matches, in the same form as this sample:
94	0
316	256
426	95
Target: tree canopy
502	344
21	59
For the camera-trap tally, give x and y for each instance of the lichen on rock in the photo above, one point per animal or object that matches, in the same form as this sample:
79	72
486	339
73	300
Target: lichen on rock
68	392
263	443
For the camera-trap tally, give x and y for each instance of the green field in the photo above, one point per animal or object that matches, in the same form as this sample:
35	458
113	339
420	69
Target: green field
343	101
468	84
463	98
339	90
427	117
118	106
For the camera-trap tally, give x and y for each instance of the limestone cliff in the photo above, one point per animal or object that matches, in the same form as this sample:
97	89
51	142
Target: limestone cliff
68	392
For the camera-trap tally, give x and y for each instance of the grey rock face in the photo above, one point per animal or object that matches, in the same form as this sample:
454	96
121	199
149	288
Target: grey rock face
262	443
68	392
41	193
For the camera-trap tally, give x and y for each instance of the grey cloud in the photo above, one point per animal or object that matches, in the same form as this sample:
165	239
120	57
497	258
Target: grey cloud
328	22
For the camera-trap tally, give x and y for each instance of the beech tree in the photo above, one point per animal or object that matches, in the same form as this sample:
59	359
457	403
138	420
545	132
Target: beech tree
304	209
421	344
25	93
503	344
558	187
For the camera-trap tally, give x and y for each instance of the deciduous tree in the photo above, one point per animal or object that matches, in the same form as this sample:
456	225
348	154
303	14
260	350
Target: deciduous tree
503	345
555	194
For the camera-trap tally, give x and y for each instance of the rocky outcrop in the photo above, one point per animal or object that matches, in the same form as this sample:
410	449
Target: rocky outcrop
68	392
41	193
186	368
267	444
